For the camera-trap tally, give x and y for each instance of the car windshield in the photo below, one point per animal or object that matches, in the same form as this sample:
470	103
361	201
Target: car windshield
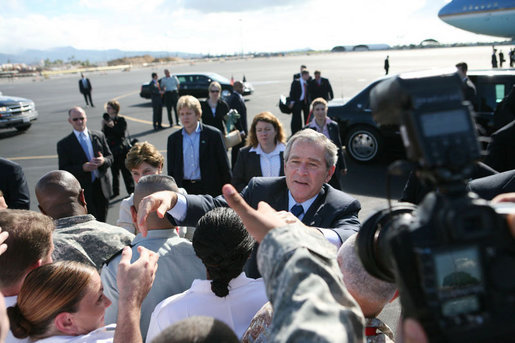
218	77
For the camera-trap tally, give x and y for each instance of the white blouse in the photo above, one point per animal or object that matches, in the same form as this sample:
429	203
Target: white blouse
270	162
246	296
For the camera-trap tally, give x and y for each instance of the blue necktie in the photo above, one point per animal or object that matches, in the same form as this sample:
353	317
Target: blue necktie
84	145
297	210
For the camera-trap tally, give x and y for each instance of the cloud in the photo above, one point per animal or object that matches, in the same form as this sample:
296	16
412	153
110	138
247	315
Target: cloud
224	26
208	6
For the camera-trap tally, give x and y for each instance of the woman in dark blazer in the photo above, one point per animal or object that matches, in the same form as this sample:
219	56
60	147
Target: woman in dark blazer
214	109
323	124
263	154
114	128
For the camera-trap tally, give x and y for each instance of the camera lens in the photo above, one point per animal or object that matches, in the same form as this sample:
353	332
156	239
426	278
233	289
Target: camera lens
373	240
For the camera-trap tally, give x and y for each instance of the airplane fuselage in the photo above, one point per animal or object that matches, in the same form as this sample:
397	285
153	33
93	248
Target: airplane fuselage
490	17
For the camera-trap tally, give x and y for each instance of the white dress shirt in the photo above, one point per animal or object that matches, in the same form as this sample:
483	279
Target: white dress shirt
246	296
11	301
270	162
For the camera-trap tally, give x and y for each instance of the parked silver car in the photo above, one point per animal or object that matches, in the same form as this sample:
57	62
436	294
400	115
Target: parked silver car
16	112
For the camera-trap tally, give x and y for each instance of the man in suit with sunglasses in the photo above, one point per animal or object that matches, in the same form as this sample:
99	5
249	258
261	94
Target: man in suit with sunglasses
86	155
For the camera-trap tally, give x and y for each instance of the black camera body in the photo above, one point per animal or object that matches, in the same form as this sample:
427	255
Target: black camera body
452	258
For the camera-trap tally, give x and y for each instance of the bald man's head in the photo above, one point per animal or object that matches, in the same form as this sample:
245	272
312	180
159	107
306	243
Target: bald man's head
151	184
60	195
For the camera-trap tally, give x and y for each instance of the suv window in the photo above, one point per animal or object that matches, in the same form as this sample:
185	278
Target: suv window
490	95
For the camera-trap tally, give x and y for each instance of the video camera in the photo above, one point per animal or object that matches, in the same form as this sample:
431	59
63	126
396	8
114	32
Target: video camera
452	258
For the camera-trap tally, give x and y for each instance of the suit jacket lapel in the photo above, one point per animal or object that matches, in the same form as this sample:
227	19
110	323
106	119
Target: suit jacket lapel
315	208
255	163
281	171
202	147
94	143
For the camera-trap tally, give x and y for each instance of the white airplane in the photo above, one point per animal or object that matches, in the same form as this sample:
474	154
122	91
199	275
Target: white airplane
487	17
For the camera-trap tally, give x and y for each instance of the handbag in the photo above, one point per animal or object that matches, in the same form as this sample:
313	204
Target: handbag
284	105
232	138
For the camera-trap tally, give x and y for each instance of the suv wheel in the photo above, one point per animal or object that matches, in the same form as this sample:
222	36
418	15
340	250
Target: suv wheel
23	127
363	143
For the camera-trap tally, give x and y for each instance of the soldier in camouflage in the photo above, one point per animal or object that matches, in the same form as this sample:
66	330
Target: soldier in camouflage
78	236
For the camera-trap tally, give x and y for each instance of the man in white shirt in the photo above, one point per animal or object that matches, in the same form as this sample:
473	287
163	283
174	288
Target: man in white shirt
170	85
29	246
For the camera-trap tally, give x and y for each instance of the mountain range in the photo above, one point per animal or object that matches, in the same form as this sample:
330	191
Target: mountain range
32	56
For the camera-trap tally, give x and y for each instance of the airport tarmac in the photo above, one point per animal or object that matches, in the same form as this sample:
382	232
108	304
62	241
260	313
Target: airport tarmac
349	72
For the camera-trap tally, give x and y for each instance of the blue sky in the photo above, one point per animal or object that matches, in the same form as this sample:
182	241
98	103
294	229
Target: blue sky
221	26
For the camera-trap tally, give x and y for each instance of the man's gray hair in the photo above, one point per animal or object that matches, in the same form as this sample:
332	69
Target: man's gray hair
311	136
358	280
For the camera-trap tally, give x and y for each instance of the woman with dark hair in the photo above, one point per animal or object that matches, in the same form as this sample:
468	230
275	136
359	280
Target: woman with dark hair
214	108
142	159
224	245
64	302
263	154
114	128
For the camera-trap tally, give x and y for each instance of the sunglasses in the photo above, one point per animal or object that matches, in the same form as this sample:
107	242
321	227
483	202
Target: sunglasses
80	118
214	91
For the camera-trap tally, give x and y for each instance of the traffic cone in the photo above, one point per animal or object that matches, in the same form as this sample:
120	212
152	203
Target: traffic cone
232	80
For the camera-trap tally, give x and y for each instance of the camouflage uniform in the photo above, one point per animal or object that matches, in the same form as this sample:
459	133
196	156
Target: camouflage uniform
383	333
305	287
84	239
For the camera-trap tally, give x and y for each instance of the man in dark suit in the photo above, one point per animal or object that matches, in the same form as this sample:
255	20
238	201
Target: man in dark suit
13	185
237	103
85	89
310	159
320	87
196	154
86	155
468	87
156	95
299	101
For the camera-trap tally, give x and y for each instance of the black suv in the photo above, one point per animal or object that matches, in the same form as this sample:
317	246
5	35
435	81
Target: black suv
366	141
197	84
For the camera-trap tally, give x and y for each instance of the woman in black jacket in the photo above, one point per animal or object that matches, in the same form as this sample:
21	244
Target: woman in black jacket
115	128
263	154
214	109
323	124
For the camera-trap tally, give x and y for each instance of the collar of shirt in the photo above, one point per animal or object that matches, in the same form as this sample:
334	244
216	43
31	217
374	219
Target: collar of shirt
204	286
305	205
156	234
197	130
77	133
73	220
277	151
313	124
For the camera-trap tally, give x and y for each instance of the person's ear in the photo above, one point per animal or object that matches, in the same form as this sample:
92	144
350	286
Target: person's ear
64	322
82	198
330	173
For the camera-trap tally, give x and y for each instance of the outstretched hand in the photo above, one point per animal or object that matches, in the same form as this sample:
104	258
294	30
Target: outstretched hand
158	202
258	222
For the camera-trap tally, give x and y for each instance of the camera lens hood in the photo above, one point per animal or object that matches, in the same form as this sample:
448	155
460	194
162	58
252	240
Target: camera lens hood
372	244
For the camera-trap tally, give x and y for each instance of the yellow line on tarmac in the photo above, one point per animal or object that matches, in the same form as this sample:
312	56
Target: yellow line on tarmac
31	157
125	95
